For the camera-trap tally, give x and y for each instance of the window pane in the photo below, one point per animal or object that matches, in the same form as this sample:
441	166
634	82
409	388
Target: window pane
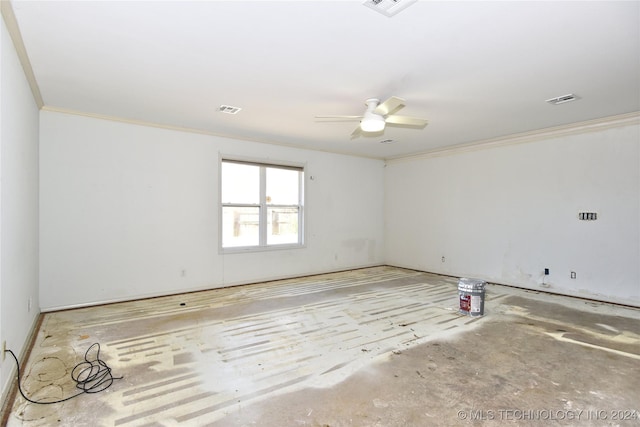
240	226
282	186
282	226
240	183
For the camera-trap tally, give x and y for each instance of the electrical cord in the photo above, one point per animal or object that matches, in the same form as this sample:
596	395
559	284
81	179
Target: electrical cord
90	376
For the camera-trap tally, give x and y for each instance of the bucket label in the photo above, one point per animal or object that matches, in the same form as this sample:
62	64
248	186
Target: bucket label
476	304
465	302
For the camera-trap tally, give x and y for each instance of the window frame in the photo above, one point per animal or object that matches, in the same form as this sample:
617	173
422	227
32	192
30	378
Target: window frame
263	206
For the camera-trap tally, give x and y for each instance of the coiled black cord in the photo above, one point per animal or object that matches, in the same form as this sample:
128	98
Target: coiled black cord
90	376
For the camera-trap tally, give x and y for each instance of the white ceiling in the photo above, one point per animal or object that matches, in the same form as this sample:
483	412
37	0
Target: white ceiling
476	70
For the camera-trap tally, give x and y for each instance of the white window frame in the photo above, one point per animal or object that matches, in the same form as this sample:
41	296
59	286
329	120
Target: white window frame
263	205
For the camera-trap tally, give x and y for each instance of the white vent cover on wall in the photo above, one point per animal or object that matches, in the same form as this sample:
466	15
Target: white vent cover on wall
587	216
388	7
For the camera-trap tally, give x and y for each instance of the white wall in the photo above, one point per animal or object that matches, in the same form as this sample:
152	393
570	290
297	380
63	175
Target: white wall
504	214
19	206
125	208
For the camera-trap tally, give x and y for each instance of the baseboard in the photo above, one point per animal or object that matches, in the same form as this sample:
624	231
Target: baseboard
205	288
11	388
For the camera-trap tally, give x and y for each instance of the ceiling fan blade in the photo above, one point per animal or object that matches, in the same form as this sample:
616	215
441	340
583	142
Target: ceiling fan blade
356	133
340	117
406	121
389	106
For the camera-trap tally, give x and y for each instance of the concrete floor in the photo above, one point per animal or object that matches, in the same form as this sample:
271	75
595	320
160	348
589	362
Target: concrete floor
372	347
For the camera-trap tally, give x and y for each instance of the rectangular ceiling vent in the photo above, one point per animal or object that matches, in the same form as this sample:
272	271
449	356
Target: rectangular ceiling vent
562	99
388	7
228	109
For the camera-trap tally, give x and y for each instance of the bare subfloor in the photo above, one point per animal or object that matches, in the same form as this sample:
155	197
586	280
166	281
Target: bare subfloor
372	347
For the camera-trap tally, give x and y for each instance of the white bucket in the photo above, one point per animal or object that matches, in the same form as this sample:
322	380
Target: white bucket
471	295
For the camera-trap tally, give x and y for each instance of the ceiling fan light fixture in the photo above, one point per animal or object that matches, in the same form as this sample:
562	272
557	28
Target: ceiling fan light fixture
372	123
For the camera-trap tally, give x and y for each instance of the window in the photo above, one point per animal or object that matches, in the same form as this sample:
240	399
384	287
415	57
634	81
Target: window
261	205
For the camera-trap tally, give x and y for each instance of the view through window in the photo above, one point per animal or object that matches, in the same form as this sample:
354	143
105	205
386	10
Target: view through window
261	204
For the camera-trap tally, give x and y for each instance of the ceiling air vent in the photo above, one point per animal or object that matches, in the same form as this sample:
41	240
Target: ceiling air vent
562	99
229	109
388	7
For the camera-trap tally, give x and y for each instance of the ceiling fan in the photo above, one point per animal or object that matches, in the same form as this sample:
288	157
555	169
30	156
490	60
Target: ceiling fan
377	115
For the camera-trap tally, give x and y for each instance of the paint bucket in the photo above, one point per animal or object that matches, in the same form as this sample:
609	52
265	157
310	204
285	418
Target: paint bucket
471	293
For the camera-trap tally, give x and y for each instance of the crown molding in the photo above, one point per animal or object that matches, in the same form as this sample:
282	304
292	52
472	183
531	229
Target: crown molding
521	138
14	32
48	108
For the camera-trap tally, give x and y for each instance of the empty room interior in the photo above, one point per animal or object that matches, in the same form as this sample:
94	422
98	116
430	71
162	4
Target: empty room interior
319	213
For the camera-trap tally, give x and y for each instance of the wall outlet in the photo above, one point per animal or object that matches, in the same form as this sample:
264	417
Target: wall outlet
442	259
546	271
573	274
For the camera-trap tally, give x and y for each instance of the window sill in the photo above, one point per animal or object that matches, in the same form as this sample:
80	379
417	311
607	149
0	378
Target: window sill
251	249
